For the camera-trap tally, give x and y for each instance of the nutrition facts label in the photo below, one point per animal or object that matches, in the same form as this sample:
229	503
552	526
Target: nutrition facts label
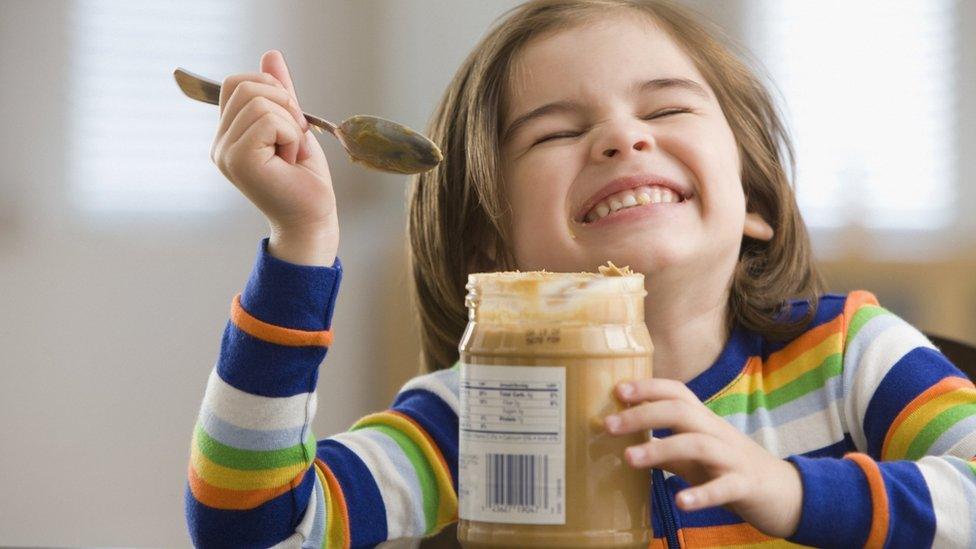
513	444
523	410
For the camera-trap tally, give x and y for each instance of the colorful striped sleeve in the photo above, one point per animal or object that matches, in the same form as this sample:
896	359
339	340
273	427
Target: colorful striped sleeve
397	469
251	480
257	476
912	417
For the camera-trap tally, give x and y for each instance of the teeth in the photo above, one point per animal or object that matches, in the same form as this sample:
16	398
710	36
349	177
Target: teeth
655	195
628	199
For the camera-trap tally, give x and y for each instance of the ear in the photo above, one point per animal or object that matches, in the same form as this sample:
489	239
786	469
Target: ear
756	227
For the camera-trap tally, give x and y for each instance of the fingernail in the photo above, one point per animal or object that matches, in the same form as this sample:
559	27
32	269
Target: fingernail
636	454
687	498
613	422
626	389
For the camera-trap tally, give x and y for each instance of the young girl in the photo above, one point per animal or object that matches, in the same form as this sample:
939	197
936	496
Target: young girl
578	132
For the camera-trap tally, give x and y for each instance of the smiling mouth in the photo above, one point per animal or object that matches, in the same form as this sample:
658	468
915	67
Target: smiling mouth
646	195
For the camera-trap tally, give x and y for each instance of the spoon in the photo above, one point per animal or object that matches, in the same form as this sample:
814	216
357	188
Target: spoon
372	141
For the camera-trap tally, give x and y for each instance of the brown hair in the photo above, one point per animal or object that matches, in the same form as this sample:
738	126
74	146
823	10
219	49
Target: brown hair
458	212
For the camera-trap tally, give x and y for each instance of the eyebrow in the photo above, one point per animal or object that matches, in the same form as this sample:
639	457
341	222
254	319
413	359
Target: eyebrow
558	107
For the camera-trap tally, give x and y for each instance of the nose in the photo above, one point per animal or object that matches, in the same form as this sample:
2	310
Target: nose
620	140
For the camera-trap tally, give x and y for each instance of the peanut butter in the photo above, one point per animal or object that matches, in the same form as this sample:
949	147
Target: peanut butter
540	358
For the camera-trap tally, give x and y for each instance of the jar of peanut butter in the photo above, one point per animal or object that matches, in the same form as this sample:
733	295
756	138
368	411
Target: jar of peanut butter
540	358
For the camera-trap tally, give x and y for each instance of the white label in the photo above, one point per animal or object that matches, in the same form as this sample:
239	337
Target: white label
512	465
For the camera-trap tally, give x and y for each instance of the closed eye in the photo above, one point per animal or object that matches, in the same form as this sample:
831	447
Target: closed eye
569	135
560	135
666	112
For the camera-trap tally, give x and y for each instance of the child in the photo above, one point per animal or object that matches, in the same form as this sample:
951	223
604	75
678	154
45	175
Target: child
578	132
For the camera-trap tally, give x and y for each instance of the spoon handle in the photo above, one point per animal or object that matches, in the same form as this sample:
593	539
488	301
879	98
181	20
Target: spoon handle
206	90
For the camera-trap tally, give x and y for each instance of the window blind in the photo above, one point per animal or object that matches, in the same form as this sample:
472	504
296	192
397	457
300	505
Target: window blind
137	145
868	87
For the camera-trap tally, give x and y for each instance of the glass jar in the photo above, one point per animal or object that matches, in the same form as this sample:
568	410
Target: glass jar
540	358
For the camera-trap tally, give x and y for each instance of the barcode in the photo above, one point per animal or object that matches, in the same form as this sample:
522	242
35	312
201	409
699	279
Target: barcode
519	481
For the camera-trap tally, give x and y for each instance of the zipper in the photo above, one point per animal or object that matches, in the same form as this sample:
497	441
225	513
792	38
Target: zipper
663	503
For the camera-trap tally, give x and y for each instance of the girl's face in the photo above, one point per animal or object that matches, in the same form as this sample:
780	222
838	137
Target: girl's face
614	148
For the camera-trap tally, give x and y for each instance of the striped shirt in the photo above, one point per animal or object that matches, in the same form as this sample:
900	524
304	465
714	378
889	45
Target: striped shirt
881	427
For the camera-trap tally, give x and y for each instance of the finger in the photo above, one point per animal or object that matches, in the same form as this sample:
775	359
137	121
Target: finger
639	390
247	92
719	491
685	447
305	150
273	63
676	415
273	131
251	112
230	84
315	159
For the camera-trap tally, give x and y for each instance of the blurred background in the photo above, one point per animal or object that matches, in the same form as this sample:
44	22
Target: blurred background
121	245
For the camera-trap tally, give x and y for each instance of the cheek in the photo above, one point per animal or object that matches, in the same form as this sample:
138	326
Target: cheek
710	153
537	189
727	157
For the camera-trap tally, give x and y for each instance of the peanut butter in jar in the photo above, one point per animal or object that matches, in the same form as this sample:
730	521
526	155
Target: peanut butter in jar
540	358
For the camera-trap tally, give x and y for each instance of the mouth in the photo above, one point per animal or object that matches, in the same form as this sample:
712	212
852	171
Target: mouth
623	194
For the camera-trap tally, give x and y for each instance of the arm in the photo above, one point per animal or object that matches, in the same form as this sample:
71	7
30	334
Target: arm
912	416
258	478
248	480
396	471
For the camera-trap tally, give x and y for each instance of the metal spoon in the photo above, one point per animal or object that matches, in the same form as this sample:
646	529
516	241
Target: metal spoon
372	141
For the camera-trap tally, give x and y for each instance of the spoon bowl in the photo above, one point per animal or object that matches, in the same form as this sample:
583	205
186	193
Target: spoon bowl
387	145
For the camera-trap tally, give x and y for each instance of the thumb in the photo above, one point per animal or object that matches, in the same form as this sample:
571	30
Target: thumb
273	63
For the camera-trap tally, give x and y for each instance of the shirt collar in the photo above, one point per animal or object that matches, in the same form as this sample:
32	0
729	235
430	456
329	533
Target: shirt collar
740	346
